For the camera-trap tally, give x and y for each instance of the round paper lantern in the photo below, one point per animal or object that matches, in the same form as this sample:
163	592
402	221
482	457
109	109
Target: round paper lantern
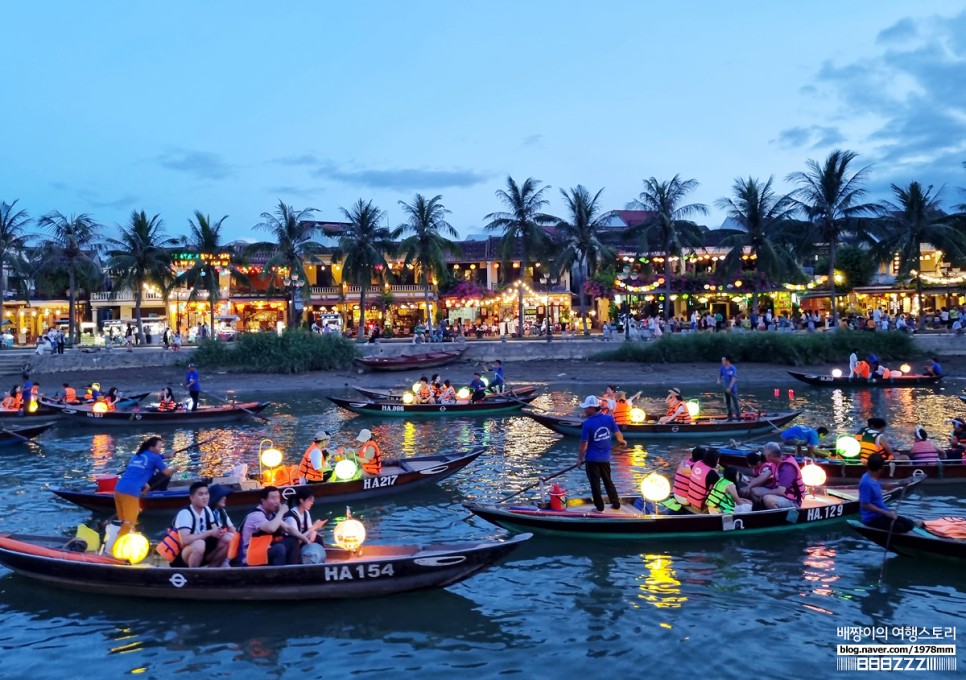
345	470
350	534
408	398
32	408
271	458
99	407
694	408
638	416
655	488
96	387
131	547
416	386
813	475
905	368
847	447
464	393
836	372
483	379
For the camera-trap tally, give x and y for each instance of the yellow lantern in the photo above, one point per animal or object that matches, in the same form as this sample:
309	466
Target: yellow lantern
847	447
408	398
416	386
132	547
655	487
464	393
350	533
345	470
836	372
813	475
905	368
638	416
694	408
271	457
99	407
486	383
32	408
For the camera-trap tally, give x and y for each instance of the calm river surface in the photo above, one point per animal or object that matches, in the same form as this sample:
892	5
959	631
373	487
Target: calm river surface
563	608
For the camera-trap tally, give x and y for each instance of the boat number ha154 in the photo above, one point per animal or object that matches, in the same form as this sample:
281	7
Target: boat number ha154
829	511
376	482
350	572
392	407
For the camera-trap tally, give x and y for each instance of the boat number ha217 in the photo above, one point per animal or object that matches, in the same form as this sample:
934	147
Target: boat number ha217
829	511
392	407
350	572
376	482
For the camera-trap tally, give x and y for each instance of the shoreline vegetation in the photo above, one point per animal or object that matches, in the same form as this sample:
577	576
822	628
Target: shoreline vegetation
292	352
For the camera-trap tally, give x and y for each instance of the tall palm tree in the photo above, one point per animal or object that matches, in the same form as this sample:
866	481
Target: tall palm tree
140	256
582	247
914	218
363	247
831	194
205	239
73	245
294	245
13	222
427	243
522	223
668	227
764	226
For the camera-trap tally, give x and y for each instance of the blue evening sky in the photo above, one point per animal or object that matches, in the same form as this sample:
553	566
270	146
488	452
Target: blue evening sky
228	107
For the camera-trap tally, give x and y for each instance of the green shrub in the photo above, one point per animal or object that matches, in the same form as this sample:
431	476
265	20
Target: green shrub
794	349
294	351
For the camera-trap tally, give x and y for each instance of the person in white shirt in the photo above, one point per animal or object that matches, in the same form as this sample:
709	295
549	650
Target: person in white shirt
203	541
853	361
300	519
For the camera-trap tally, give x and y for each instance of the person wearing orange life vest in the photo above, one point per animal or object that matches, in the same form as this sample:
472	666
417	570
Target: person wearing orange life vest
622	409
704	475
314	467
790	488
68	394
448	394
677	408
862	369
424	393
369	455
872	439
13	401
436	387
167	401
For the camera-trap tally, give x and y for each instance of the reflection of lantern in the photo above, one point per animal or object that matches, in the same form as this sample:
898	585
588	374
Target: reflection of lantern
847	447
655	488
408	398
694	408
350	533
638	416
99	407
464	393
905	368
813	475
271	457
32	408
836	372
131	547
345	470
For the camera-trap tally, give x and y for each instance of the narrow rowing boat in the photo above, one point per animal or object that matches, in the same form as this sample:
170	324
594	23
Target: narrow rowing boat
704	426
917	543
489	406
406	362
397	476
376	570
153	417
397	395
17	435
901	380
123	402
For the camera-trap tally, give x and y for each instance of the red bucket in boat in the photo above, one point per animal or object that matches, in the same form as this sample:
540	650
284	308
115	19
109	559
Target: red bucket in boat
106	483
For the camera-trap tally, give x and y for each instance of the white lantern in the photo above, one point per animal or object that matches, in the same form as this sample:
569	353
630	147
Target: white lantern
464	393
655	488
836	372
905	368
638	416
345	470
847	447
416	386
271	458
813	475
350	534
408	398
694	408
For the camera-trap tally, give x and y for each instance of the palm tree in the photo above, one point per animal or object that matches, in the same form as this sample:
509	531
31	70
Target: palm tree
12	240
668	226
581	242
363	247
427	243
521	223
830	194
764	222
914	218
293	247
72	245
141	257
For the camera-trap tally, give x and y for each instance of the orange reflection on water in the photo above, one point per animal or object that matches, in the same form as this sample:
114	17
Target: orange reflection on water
660	587
819	569
102	451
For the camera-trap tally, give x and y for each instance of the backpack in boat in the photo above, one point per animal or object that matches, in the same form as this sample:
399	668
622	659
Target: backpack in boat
171	546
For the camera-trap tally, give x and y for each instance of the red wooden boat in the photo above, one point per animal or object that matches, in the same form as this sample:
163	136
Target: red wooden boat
406	362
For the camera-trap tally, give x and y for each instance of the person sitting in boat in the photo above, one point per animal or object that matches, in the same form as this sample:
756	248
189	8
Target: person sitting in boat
957	440
499	382
314	467
93	392
677	408
862	369
704	474
723	498
424	394
217	502
67	394
477	388
448	395
111	398
762	477
436	386
14	400
203	541
789	489
933	368
873	363
369	455
923	450
263	530
167	401
682	477
622	410
802	435
300	518
608	400
872	508
872	439
884	373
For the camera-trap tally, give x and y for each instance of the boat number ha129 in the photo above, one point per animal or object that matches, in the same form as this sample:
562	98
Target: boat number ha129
376	482
829	511
392	407
351	572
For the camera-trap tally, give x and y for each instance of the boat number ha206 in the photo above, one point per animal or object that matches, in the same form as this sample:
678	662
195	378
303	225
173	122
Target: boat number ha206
829	511
349	572
392	407
376	482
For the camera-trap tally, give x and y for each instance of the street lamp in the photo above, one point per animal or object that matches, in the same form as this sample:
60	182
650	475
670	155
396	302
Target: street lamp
295	286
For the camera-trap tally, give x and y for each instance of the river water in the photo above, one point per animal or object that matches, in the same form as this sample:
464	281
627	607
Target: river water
771	604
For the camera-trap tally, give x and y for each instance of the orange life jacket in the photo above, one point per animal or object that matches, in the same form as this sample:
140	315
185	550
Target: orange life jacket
8	403
70	395
448	395
257	553
373	465
862	369
167	404
622	413
697	484
684	417
34	392
424	392
305	467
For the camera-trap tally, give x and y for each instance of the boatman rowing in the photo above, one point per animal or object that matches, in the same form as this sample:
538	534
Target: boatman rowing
595	444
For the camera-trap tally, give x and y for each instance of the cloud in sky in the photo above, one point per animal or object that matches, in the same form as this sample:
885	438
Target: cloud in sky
403	178
813	136
297	160
200	164
904	29
533	140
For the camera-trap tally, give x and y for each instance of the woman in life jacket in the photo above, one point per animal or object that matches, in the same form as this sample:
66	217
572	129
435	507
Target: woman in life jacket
682	478
436	387
762	477
369	455
448	394
14	400
167	401
723	498
677	408
111	399
622	409
424	394
704	474
923	450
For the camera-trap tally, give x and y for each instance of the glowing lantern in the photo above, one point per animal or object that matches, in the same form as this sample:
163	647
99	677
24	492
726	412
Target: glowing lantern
349	534
464	393
131	547
486	383
694	408
638	416
813	475
271	457
96	387
655	488
32	408
99	407
836	372
847	447
905	368
345	470
416	386
408	398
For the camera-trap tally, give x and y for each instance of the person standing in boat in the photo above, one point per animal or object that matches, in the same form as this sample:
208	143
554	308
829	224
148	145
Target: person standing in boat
853	362
728	377
499	383
872	508
192	381
595	443
146	461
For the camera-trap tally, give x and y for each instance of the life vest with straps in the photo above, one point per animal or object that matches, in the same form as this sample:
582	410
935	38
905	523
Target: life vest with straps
869	444
70	395
448	395
167	404
862	369
255	554
796	492
622	412
437	389
425	393
678	413
171	545
370	457
12	403
923	452
697	484
719	498
682	480
306	470
34	392
302	522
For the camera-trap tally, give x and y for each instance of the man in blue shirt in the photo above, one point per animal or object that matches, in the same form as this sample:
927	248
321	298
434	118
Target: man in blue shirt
933	368
193	382
478	387
802	435
134	481
872	509
728	377
595	441
498	384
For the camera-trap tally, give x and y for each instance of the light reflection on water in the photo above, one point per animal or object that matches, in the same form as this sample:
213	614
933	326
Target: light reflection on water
659	604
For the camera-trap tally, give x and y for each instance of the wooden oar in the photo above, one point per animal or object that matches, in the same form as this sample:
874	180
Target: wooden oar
235	405
539	482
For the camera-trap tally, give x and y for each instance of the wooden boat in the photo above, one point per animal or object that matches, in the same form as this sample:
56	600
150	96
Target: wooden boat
489	406
396	395
704	426
917	543
376	570
151	416
125	402
406	362
581	520
836	469
16	435
845	381
397	476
